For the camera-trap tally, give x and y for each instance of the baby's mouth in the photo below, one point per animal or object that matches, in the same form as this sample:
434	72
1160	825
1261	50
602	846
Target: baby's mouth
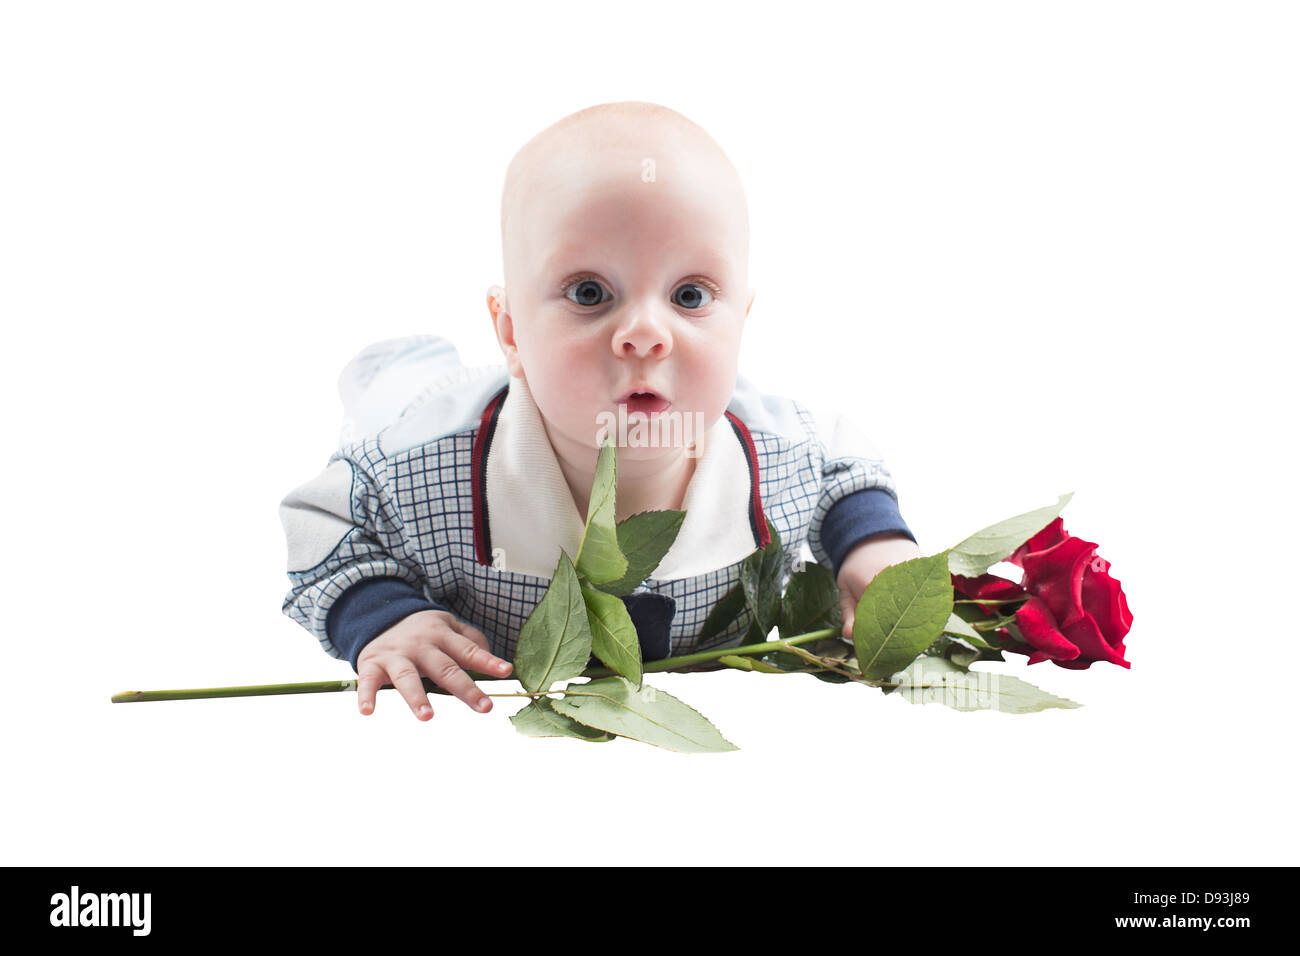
647	403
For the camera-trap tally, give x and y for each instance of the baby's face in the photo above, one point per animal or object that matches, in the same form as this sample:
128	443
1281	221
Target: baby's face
622	278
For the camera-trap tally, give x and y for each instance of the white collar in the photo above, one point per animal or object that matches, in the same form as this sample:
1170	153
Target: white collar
531	513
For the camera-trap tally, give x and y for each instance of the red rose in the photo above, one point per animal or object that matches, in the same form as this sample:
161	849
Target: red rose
1075	612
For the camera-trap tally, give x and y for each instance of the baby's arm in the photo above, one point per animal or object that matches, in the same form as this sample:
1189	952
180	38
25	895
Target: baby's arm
355	587
856	529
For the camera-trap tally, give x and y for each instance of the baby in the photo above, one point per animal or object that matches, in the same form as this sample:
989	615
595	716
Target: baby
435	528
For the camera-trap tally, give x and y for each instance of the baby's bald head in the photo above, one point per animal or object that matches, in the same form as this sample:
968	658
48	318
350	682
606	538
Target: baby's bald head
602	149
625	239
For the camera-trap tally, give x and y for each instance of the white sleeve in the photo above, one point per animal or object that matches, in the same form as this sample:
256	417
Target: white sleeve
850	462
339	530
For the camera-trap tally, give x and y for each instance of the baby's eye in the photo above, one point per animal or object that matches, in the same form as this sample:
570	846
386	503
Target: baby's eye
586	292
692	295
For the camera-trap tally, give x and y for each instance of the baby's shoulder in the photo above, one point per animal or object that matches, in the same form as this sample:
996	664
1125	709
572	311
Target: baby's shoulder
769	414
836	433
449	405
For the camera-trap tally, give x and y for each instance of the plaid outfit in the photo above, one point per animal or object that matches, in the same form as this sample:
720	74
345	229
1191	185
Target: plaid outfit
460	505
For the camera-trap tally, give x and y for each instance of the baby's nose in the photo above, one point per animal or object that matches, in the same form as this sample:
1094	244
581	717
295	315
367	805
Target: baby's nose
641	347
643	335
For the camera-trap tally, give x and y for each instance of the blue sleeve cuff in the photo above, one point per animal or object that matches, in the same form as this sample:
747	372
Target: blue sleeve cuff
366	610
856	517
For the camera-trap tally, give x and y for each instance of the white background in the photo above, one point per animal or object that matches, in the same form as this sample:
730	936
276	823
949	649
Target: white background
1034	247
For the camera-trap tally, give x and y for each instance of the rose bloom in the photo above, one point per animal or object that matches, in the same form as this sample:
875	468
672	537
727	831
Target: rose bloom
1075	612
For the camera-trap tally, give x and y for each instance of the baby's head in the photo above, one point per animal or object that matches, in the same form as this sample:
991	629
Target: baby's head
625	239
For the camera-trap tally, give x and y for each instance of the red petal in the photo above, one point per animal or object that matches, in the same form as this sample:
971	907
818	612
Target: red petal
1056	575
1006	641
988	587
1104	601
1049	537
1038	627
1092	643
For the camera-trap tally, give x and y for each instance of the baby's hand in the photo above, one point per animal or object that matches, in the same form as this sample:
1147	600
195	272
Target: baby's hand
433	644
863	563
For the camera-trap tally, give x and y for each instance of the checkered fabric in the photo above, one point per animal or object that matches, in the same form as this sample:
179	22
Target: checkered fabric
409	515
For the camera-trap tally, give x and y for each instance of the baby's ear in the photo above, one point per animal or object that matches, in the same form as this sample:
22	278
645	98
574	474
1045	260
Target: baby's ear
496	301
504	331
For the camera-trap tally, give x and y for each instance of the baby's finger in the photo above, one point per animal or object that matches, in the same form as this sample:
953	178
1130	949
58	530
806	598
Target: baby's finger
446	673
472	632
369	680
406	679
472	654
847	608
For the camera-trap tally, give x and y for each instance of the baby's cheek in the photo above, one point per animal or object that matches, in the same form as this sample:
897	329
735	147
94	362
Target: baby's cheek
577	380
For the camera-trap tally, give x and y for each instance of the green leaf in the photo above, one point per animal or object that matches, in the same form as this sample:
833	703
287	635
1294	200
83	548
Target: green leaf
959	628
724	612
970	613
940	645
836	647
613	635
539	719
830	677
930	680
997	542
599	557
991	623
760	576
963	657
555	641
787	663
955	650
753	635
748	663
901	612
985	638
613	705
755	568
980	643
811	603
961	652
833	649
644	538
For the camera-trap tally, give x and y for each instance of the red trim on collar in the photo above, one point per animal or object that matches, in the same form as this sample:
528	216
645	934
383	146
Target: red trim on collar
478	475
757	519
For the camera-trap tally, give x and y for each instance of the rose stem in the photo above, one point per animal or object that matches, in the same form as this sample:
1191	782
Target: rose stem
685	660
824	665
253	690
326	686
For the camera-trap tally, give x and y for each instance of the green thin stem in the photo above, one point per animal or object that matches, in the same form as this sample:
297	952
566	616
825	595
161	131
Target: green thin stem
824	664
683	662
255	690
702	657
